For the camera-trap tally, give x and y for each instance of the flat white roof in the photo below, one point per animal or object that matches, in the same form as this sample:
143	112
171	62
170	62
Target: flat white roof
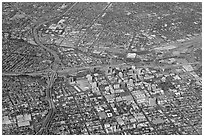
131	55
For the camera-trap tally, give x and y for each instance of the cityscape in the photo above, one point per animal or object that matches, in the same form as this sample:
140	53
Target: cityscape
102	68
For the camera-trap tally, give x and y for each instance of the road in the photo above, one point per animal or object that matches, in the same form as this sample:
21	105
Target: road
37	41
194	41
92	23
74	70
51	75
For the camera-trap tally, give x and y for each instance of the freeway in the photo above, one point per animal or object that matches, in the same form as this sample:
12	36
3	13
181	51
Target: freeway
76	69
51	75
57	61
194	41
73	70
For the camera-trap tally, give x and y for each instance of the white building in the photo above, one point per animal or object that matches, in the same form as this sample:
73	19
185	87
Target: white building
131	55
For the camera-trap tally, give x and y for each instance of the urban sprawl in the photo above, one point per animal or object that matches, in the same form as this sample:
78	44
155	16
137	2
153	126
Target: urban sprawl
99	68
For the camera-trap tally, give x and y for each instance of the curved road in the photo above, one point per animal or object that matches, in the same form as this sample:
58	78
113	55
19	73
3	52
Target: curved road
52	74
